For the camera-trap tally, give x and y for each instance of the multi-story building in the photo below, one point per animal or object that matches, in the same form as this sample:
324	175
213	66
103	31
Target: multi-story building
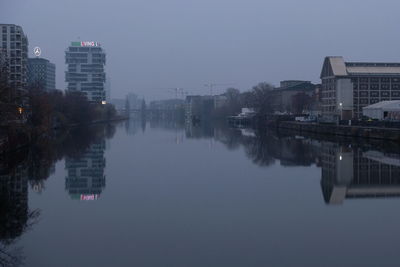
14	50
134	101
41	73
283	96
347	87
85	73
199	108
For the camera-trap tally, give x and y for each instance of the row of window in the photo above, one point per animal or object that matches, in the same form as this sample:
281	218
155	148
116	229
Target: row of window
375	80
84	49
394	86
376	93
76	60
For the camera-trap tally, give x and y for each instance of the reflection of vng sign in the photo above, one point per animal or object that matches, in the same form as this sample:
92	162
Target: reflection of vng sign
89	197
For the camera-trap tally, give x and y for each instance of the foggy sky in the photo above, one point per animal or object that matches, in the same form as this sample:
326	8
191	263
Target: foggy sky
185	43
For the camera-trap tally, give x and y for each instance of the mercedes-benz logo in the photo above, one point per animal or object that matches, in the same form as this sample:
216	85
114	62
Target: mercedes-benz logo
37	51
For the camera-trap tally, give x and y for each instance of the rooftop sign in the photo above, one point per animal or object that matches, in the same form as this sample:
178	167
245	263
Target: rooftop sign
86	43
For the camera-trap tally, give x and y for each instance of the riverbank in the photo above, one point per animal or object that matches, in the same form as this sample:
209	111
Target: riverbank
21	137
392	134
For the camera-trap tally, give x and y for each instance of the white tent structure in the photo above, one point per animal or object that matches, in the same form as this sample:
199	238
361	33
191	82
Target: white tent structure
384	110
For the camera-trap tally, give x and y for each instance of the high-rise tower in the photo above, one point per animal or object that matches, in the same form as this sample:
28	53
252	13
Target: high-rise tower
85	72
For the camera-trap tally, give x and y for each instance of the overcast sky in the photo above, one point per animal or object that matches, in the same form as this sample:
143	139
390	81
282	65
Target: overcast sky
186	43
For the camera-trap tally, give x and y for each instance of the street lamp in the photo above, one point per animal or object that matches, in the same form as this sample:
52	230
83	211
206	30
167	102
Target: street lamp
341	110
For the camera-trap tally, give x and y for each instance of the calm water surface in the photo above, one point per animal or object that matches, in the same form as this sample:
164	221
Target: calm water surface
160	194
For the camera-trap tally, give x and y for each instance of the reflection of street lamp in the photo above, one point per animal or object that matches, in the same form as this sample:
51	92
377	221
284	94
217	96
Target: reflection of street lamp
20	110
103	102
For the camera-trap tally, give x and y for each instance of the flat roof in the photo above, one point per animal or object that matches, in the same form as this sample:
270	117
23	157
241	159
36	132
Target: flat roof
373	70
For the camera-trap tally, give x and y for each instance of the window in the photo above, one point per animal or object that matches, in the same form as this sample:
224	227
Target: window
395	94
385	87
374	86
385	94
374	93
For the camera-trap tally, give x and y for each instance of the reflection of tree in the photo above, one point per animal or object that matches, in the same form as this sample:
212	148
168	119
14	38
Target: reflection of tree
32	166
261	146
15	216
231	138
258	149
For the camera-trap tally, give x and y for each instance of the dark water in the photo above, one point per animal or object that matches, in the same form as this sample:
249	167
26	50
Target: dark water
161	194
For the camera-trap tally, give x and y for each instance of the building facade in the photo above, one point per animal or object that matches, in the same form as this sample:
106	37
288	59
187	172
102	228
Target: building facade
283	96
347	87
14	56
85	70
42	74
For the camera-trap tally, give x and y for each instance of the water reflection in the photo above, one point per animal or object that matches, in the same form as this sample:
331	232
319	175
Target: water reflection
354	173
86	179
15	216
31	167
349	168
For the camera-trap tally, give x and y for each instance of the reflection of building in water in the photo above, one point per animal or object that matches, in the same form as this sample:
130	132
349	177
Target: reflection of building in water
86	180
13	201
132	126
348	173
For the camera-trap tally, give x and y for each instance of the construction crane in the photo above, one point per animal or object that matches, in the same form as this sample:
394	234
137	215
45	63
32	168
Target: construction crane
212	85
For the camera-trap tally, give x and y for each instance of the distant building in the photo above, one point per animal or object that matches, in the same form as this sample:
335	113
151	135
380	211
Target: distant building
14	56
85	73
41	72
199	108
134	102
347	87
168	104
108	88
220	101
283	96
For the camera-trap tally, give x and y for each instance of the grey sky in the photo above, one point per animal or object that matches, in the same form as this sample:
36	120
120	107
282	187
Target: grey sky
186	43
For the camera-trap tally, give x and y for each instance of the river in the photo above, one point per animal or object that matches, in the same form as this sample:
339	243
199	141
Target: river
165	194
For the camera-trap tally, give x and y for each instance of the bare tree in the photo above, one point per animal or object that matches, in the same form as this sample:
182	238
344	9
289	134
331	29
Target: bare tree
260	98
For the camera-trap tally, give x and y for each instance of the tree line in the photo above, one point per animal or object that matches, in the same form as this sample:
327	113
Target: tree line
29	112
260	98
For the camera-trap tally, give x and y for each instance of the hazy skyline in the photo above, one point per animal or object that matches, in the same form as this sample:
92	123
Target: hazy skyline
177	43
